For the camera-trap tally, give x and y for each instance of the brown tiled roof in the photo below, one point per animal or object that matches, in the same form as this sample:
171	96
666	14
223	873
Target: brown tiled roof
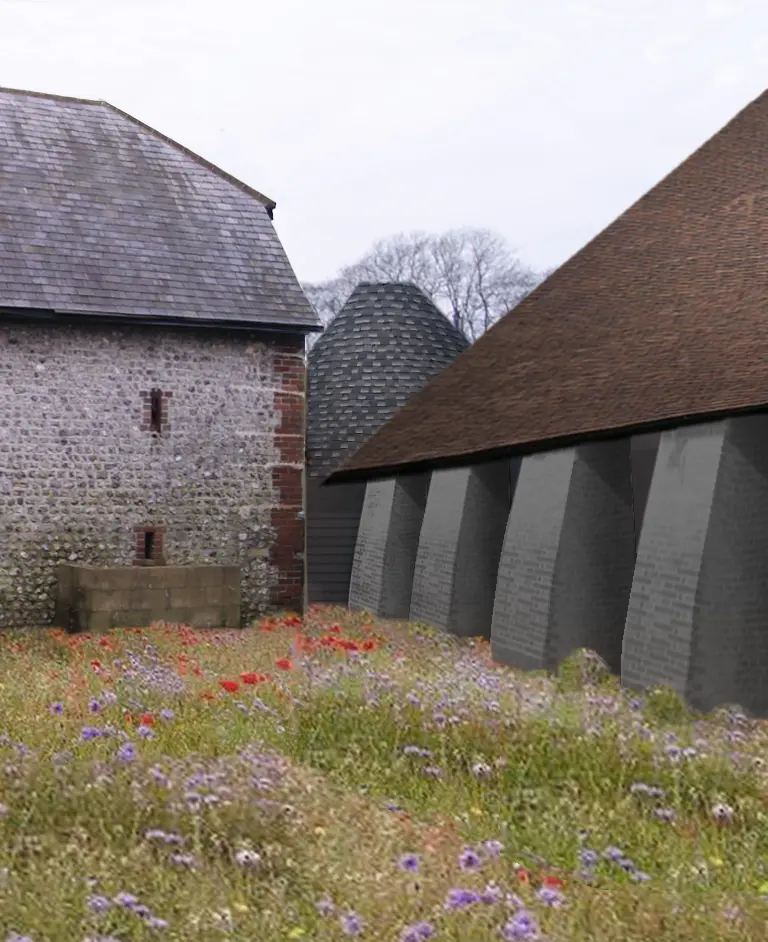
101	214
662	318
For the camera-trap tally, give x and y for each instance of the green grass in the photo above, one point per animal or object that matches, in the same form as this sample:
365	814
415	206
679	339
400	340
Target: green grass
317	781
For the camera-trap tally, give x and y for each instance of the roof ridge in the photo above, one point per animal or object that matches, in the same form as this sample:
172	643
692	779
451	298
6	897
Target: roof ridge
54	97
209	165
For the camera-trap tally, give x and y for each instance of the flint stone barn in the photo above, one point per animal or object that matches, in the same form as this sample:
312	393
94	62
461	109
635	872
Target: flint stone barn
379	350
645	353
151	361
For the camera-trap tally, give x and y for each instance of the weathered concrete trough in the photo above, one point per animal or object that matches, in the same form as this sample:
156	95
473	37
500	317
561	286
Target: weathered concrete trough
95	599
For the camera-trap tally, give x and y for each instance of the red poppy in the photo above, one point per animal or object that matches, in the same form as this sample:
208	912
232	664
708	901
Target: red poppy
284	663
554	883
96	665
196	671
250	677
147	719
369	645
523	875
335	629
105	643
231	686
348	645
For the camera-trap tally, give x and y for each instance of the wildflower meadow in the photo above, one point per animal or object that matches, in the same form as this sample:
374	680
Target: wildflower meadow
334	777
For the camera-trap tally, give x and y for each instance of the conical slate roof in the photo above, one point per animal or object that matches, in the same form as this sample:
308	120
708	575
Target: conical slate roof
385	344
661	319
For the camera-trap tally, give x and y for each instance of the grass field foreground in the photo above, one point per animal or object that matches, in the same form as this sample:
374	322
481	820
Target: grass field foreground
337	777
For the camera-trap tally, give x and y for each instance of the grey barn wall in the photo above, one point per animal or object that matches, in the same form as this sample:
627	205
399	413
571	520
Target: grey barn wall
643	456
459	548
333	520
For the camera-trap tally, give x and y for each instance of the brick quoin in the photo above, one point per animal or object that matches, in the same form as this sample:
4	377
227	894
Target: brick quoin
287	553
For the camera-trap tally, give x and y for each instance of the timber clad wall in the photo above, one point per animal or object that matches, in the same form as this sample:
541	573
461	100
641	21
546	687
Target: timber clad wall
333	519
80	472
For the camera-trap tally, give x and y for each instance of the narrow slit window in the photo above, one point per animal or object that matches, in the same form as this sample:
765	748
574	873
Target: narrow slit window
149	544
156	411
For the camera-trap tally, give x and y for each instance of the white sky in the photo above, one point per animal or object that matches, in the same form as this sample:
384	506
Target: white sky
540	119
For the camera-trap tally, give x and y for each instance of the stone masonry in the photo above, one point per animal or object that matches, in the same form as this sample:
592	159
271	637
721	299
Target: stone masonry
459	547
699	604
566	567
385	551
82	472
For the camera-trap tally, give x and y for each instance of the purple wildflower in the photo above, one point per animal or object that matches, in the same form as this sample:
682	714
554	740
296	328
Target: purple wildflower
126	900
522	926
57	707
90	732
182	860
432	771
664	814
126	752
459	898
588	857
98	904
94	706
146	733
351	924
491	894
409	862
418	932
551	897
167	714
493	848
613	853
470	859
325	906
155	922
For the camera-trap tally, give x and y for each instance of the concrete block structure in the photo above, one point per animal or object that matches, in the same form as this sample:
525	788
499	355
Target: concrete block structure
459	548
385	550
97	599
698	612
566	567
385	345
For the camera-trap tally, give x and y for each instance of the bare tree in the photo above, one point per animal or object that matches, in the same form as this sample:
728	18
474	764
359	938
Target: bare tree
470	274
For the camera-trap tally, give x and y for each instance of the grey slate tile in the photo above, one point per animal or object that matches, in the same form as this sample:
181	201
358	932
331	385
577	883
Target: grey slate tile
386	343
99	213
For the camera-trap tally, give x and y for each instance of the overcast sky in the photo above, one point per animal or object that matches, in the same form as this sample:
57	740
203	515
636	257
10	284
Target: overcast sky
539	119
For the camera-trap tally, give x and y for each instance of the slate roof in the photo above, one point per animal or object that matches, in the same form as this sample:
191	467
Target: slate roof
383	346
662	319
100	214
